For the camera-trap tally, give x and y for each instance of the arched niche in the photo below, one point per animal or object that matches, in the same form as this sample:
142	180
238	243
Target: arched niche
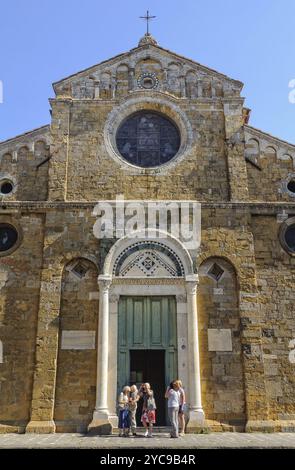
105	86
148	65
23	152
191	85
270	153
122	80
6	159
41	149
172	259
286	161
207	88
223	387
253	150
173	78
76	363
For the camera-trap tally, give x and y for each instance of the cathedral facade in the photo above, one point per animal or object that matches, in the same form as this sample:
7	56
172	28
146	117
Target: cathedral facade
82	316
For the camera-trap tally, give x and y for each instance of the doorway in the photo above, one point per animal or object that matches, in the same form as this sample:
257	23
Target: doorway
147	346
148	365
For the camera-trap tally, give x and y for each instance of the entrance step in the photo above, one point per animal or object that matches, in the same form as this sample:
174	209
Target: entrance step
156	430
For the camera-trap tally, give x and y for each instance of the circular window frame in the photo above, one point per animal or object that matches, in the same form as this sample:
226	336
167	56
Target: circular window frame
290	177
7	221
4	178
282	232
147	75
149	102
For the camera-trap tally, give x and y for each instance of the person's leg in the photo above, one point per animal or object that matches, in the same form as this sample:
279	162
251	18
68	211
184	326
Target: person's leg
144	422
181	423
133	421
150	429
125	422
170	416
151	419
120	424
174	417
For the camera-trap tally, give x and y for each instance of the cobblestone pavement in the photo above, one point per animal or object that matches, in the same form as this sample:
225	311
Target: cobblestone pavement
190	441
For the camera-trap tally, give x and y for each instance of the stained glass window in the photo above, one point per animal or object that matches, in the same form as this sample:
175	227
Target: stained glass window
148	139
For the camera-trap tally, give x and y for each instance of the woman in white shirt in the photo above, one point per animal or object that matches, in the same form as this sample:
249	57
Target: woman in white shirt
174	401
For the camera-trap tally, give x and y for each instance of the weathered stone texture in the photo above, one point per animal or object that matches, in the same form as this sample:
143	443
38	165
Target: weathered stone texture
240	176
76	370
19	303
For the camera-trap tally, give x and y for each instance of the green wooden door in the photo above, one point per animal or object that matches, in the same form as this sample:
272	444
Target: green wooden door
146	323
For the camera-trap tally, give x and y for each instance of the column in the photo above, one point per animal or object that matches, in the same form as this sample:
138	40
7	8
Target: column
196	413
101	422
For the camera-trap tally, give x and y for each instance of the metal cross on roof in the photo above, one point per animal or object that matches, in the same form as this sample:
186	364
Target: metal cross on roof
147	17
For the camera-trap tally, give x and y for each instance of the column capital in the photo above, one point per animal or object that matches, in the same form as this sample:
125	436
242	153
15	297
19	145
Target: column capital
192	281
104	281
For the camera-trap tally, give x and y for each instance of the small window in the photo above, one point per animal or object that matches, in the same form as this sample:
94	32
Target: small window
216	272
148	82
290	237
287	235
80	269
291	186
6	187
8	237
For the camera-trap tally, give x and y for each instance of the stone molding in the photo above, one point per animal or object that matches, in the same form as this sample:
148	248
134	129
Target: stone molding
138	101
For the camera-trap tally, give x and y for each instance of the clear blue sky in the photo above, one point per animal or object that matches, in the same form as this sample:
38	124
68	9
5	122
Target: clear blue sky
42	41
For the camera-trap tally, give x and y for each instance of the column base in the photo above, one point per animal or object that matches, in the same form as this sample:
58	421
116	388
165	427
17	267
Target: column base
102	423
41	427
197	423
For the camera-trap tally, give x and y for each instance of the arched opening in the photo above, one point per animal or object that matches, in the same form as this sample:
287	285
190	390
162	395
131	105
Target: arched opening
76	363
223	388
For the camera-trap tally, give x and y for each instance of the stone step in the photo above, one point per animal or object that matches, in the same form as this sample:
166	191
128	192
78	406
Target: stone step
141	430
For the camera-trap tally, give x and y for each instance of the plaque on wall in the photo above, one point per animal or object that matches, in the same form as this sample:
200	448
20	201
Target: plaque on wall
219	340
71	339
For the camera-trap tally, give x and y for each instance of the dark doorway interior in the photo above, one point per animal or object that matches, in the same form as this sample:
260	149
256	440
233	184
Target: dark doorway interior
148	365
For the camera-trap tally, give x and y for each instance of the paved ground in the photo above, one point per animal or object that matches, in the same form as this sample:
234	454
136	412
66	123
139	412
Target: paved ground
190	441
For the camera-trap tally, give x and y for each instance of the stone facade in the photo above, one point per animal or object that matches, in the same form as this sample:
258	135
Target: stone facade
48	279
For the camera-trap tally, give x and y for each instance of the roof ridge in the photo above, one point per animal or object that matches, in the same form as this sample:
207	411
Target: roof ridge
268	134
146	46
25	133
